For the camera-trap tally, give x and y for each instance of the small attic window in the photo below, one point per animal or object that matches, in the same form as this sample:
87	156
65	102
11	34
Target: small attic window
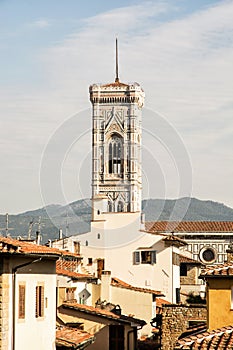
98	235
98	212
86	243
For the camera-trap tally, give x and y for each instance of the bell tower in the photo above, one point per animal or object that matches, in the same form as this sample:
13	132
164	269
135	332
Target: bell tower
116	144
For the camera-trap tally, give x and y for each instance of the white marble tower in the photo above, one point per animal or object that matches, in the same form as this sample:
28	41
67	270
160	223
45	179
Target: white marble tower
116	146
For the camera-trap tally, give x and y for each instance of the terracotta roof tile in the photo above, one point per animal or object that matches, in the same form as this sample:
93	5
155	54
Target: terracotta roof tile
10	245
102	313
160	302
225	269
73	338
116	282
187	260
221	338
69	268
115	84
90	309
189	226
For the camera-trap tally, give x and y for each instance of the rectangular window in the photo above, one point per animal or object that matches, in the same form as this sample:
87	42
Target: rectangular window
144	257
183	269
39	301
90	261
22	293
220	258
70	294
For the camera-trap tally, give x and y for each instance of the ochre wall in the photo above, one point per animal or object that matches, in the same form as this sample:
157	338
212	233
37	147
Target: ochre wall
219	303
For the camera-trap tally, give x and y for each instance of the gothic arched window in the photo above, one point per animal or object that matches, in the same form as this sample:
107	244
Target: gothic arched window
120	207
115	155
110	208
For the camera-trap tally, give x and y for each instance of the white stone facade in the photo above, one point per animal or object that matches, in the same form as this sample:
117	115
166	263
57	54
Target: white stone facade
116	152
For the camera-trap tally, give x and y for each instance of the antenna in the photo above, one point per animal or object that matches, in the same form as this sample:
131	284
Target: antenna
117	77
7	229
67	224
30	229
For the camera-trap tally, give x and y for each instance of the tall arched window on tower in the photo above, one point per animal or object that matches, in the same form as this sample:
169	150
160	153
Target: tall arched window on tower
115	155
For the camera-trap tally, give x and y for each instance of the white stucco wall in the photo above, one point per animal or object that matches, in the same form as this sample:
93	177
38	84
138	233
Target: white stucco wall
31	332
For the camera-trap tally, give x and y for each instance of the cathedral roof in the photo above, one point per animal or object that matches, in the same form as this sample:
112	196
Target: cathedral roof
189	226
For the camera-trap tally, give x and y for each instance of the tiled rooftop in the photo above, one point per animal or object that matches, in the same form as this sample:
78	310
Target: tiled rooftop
221	338
225	269
189	226
14	246
160	302
91	310
73	338
187	260
115	84
116	282
103	313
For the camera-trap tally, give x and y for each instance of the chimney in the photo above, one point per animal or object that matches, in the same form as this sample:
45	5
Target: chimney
60	233
106	286
38	237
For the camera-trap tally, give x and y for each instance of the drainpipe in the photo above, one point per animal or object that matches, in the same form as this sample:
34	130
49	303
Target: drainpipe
134	330
14	271
128	334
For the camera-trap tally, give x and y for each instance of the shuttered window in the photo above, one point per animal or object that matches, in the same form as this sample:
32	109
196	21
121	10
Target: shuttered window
136	258
144	257
39	301
22	293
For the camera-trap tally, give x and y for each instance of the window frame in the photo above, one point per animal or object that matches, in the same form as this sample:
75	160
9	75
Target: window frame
139	259
40	301
21	300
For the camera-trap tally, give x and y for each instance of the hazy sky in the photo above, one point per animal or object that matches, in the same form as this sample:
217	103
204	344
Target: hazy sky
181	52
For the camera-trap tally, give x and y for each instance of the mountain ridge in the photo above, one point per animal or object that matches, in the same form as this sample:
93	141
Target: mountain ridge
75	217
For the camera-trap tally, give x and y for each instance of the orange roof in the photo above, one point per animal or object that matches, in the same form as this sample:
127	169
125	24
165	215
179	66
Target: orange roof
90	309
68	268
116	282
115	84
14	246
187	260
160	302
222	270
73	338
221	338
103	313
189	226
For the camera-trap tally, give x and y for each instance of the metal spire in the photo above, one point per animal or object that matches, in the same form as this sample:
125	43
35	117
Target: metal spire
117	77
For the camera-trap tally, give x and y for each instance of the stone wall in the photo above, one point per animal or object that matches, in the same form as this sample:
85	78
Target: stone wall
191	277
175	320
